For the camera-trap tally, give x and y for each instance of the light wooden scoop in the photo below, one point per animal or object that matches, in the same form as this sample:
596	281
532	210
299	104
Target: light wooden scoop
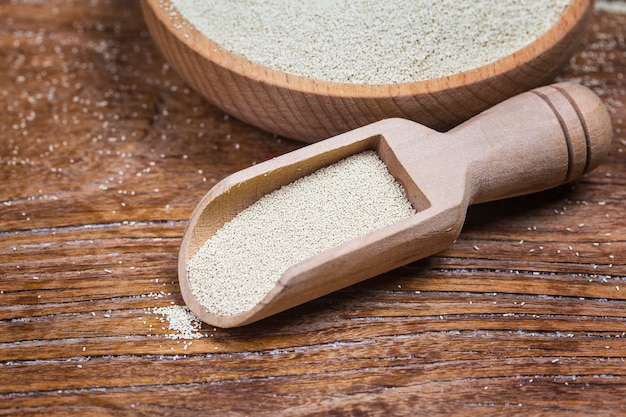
531	142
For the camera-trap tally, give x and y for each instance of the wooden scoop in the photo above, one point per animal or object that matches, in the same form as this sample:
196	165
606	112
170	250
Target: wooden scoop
531	142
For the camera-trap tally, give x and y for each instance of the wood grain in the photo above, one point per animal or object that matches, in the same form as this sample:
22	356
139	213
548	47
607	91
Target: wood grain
104	152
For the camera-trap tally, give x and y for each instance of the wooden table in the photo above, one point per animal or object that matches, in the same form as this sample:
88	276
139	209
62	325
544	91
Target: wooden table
104	152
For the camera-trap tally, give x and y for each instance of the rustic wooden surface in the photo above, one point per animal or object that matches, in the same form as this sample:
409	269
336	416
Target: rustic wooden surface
104	152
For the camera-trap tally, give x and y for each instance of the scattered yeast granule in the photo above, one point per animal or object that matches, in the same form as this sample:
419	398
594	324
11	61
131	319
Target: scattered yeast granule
615	6
244	259
181	320
371	41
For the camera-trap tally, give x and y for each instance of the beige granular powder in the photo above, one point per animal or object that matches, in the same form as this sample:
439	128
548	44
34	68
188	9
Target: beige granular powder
615	6
181	320
372	41
244	259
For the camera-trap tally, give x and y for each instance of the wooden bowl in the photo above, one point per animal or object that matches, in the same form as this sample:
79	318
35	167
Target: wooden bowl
310	110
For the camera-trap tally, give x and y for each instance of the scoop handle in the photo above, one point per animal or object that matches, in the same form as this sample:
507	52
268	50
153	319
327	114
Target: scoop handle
534	141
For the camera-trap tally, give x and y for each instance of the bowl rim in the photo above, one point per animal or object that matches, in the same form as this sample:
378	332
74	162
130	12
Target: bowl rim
192	38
